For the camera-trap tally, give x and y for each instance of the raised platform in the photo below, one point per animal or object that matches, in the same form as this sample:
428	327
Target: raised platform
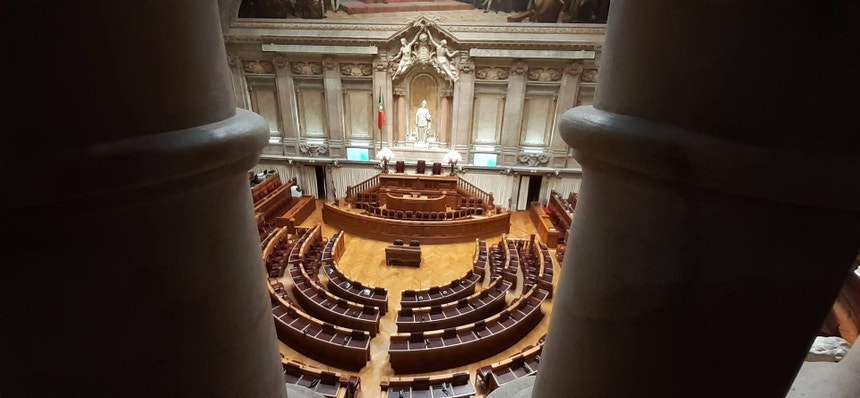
432	232
359	7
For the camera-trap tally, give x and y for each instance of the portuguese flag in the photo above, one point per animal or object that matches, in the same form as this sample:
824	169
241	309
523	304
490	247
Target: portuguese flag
381	112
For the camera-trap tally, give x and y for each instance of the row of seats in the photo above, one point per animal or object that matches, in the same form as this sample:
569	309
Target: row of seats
437	295
329	384
413	242
323	305
419	352
478	306
341	347
451	385
521	364
420	167
420	215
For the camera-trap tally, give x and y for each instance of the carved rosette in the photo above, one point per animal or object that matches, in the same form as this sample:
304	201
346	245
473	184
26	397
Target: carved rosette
492	73
589	76
545	74
357	70
259	67
533	159
307	68
313	150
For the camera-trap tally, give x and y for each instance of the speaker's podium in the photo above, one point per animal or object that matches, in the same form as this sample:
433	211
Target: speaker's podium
398	254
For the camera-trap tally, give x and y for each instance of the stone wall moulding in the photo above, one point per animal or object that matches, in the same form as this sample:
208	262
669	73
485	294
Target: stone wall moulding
329	63
313	150
280	61
519	68
356	70
545	74
492	73
307	68
259	67
533	159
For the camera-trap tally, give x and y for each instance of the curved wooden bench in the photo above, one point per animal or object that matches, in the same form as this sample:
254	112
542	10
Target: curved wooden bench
478	306
420	352
329	384
454	385
340	347
330	308
343	287
438	295
479	263
427	231
522	364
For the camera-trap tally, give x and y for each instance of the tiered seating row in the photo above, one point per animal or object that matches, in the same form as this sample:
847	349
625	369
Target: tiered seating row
481	255
340	347
277	252
419	215
420	352
438	295
328	307
329	384
524	363
476	307
341	286
452	385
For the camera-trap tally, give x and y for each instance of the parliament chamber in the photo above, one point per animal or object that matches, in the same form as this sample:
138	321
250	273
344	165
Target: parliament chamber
696	183
343	307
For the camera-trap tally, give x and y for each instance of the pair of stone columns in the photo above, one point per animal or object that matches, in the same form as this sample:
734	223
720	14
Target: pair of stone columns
719	204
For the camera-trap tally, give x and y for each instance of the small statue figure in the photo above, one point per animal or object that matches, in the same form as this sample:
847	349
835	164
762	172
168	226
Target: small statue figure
441	62
404	56
422	120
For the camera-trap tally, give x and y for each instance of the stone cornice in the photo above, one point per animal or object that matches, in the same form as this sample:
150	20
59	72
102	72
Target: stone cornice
510	35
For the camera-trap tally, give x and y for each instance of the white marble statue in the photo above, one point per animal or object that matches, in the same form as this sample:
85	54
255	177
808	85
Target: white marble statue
441	62
404	57
422	121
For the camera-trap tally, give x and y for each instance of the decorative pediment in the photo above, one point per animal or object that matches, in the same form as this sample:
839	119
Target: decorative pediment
423	42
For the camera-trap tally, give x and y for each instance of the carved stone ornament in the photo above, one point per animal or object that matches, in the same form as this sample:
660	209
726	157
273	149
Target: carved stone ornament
423	48
492	73
519	68
467	67
545	74
307	68
573	69
589	75
356	69
329	63
533	159
380	66
313	150
232	60
280	61
399	91
260	67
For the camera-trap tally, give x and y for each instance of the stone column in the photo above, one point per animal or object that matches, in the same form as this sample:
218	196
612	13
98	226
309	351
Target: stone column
382	82
719	210
130	263
444	130
515	98
401	121
240	85
333	99
287	98
464	99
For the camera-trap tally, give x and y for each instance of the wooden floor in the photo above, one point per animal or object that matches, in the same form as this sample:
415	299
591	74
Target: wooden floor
364	261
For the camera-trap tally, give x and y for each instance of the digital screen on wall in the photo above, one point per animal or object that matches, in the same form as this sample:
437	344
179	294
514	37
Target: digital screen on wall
362	154
485	159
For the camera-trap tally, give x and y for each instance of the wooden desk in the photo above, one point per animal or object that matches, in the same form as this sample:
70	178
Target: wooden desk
403	255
